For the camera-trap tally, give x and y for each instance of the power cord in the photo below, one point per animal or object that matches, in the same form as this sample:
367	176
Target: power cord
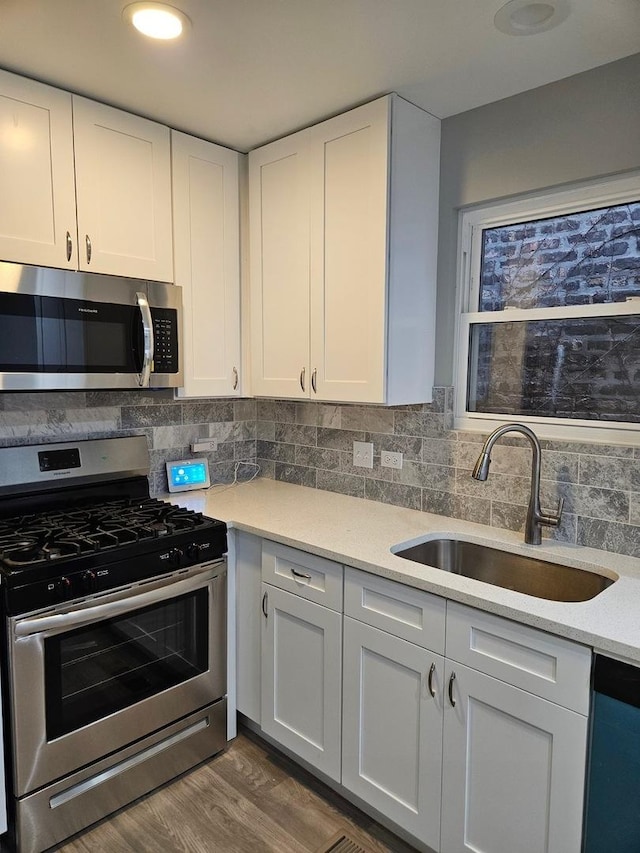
222	487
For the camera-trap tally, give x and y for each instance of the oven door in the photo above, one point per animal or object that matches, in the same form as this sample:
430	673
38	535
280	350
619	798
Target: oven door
99	674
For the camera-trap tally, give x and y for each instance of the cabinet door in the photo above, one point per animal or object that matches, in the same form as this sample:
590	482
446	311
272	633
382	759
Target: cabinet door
279	287
349	254
38	207
513	774
392	728
206	231
123	180
301	678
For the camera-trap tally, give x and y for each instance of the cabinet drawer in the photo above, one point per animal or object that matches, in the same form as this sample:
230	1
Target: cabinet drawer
551	667
314	578
400	610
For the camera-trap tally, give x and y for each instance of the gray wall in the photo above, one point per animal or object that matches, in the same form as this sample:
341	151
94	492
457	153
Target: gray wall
581	128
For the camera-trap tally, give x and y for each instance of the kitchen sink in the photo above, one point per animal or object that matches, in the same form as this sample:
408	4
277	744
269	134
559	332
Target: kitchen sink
529	575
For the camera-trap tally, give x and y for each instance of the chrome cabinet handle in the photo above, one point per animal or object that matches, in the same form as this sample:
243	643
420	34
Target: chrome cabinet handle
302	373
432	671
69	246
313	380
235	378
149	344
88	244
452	678
265	602
301	575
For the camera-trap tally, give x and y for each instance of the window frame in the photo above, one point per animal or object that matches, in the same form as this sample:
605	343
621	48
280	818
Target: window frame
472	221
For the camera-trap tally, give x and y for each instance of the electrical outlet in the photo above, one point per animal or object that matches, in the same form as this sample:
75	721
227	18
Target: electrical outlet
204	444
363	454
390	459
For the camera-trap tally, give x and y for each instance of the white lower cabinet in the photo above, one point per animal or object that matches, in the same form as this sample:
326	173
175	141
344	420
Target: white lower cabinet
392	728
302	677
513	769
465	730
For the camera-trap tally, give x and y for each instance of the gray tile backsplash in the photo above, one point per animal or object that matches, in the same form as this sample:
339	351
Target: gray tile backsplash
600	483
169	425
310	444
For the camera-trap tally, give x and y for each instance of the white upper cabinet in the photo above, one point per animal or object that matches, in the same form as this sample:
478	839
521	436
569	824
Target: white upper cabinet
279	267
37	207
206	233
344	218
56	148
123	186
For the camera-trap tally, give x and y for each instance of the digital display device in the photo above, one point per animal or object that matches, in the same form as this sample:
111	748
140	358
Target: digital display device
188	474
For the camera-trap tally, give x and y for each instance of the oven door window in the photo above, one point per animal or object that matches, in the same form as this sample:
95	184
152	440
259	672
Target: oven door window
94	671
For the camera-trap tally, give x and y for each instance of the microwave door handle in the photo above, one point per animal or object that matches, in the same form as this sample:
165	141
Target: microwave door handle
58	622
149	344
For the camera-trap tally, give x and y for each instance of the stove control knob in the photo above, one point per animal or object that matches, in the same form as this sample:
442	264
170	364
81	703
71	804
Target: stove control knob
64	588
175	556
88	581
193	551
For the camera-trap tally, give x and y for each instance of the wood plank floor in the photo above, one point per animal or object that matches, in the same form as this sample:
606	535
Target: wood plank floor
248	800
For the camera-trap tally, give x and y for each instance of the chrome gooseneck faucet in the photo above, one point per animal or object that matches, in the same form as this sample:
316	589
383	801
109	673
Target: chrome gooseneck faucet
535	517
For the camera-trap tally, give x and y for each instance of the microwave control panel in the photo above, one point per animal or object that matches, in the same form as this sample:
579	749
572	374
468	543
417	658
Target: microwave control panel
165	337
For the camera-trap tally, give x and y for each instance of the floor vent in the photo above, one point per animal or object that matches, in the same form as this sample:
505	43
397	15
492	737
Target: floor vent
341	843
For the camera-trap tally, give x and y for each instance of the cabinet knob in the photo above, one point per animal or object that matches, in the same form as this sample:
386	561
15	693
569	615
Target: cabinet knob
452	678
69	246
313	380
302	373
88	244
432	671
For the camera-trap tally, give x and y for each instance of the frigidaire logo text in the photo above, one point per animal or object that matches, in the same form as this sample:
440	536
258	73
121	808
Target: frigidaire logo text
88	310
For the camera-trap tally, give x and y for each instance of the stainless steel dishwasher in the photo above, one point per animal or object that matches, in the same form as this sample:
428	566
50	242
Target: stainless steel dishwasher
612	819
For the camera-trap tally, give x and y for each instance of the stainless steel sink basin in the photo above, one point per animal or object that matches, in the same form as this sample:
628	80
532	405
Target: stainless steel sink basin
510	571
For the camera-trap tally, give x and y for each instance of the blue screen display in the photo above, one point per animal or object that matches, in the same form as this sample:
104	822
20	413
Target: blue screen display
189	475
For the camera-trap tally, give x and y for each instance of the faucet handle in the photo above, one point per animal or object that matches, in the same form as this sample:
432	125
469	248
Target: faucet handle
560	508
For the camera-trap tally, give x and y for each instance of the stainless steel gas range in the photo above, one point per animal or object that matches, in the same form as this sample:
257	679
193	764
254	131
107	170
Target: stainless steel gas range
115	612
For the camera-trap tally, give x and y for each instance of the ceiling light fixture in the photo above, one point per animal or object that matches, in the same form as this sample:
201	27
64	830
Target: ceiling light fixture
525	18
156	20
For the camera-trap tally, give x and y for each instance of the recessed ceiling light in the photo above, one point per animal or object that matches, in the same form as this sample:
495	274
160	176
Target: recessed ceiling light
526	18
156	20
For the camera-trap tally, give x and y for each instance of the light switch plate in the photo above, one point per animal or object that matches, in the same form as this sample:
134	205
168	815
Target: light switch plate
363	454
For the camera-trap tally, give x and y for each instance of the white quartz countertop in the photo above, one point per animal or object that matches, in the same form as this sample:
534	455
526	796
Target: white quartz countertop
361	533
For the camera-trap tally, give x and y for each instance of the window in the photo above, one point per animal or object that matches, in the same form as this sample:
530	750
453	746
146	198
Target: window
549	322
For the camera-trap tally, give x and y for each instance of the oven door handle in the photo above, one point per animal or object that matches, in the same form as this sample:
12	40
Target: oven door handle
93	613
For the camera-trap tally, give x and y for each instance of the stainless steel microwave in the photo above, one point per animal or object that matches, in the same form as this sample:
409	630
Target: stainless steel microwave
67	330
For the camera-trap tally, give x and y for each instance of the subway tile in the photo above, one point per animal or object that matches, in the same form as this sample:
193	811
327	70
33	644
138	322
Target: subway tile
296	434
275	451
609	536
610	473
267	468
175	436
437	477
245	410
207	412
134	416
244	450
297	474
338	439
393	493
318	457
456	506
439	451
266	430
409	446
345	484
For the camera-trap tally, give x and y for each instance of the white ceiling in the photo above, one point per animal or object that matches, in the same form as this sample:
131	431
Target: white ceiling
253	70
